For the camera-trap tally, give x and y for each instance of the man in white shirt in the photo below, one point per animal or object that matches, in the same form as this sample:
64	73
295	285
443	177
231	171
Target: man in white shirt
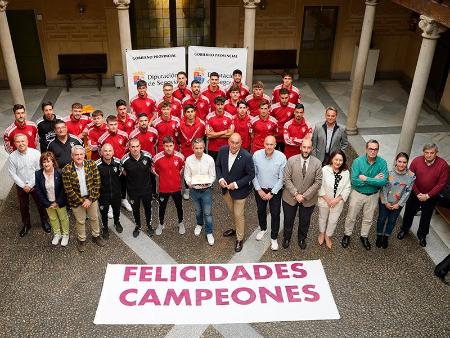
23	162
199	174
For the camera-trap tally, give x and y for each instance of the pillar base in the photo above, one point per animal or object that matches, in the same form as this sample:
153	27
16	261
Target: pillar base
352	131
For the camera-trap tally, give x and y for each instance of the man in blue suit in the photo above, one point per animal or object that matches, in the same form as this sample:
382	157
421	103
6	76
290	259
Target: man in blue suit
235	172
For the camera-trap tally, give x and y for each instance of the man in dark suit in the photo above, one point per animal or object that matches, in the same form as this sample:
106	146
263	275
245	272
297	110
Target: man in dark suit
302	181
235	172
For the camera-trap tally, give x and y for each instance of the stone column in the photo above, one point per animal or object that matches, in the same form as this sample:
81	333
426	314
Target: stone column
360	66
431	32
249	36
125	34
9	58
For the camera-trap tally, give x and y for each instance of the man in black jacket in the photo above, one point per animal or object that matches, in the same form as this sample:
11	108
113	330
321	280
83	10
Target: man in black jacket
63	143
46	125
110	170
235	172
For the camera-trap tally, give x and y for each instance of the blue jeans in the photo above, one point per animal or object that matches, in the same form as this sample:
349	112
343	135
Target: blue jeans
391	216
203	205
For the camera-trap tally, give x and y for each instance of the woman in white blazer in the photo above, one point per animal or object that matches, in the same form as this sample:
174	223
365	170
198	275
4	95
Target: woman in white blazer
333	193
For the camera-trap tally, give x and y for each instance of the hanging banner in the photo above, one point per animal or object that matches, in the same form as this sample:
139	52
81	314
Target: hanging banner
155	66
215	293
204	60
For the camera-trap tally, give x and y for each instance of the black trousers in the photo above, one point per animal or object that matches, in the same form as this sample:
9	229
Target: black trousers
104	204
177	199
213	154
280	146
412	206
275	208
24	206
304	218
123	187
135	202
153	180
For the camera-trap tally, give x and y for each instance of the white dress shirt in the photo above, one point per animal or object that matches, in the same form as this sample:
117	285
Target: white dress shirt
204	166
330	131
82	180
50	185
22	166
231	159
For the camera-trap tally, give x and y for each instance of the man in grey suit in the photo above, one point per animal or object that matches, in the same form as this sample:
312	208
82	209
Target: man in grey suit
302	181
328	137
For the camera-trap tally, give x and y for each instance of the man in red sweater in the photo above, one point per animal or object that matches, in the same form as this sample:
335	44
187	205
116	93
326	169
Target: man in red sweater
199	101
213	90
241	122
142	102
295	131
431	177
168	165
175	104
166	125
125	121
20	126
181	90
219	127
294	93
77	123
98	129
283	111
254	100
244	91
262	126
231	104
118	140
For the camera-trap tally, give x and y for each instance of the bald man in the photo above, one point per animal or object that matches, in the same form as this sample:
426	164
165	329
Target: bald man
235	172
302	181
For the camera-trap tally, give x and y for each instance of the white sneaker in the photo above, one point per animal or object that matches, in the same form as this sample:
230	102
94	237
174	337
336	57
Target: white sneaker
210	239
110	212
274	245
197	230
186	194
260	235
65	240
159	229
126	204
181	228
56	239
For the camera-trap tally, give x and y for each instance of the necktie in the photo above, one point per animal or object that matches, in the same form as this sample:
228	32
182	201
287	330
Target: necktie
304	169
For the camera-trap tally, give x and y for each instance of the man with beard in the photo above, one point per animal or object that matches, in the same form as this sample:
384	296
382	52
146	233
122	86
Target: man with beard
213	90
98	129
294	93
199	101
20	126
77	123
283	111
302	180
175	104
46	125
296	131
142	102
243	90
254	100
181	90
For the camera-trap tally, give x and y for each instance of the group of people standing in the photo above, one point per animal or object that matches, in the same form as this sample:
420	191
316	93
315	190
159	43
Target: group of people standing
178	147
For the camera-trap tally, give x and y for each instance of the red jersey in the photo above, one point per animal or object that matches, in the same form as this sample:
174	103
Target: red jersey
244	91
212	95
166	128
29	129
181	92
144	104
230	107
261	129
243	127
94	134
189	132
75	127
253	103
128	125
218	123
294	133
201	104
175	106
168	168
282	114
117	140
147	138
294	94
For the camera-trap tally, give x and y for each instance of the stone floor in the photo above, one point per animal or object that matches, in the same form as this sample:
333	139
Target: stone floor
55	291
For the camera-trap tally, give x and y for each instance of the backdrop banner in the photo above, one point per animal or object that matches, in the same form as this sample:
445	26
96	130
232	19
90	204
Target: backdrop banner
204	60
215	293
155	66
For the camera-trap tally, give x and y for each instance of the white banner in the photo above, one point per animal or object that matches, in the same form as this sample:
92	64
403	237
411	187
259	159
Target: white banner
155	66
215	293
204	60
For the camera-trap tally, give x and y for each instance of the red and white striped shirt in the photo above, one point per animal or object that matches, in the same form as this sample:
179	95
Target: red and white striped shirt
29	129
294	133
253	103
175	106
144	104
189	132
294	94
168	168
76	127
147	138
165	128
244	91
201	104
181	92
128	125
218	123
282	114
94	134
117	140
261	129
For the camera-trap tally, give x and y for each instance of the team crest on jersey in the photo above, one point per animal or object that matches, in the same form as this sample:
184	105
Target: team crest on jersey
175	162
201	105
174	106
225	123
173	126
115	169
72	144
147	104
268	127
145	162
120	141
29	132
101	207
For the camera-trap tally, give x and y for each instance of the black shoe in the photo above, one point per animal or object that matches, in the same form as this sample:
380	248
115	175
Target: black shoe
423	242
385	242
105	233
302	244
345	241
118	227
365	242
229	233
401	234
239	245
24	230
379	242
136	231
150	231
286	243
46	227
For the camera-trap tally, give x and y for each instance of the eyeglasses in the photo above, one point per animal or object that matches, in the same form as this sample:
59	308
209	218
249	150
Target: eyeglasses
372	149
